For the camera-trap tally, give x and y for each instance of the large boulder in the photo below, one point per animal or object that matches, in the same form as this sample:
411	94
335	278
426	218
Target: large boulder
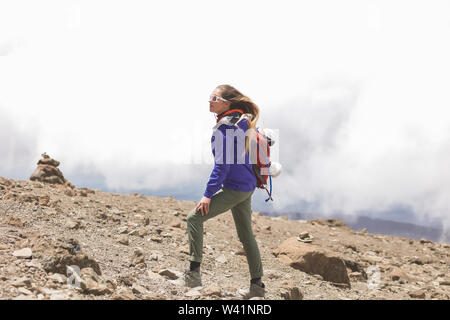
66	253
312	259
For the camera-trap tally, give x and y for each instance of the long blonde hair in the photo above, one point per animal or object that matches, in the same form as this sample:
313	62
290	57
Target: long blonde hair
241	101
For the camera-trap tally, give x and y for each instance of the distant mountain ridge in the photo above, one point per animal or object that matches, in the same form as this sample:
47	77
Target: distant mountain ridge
381	226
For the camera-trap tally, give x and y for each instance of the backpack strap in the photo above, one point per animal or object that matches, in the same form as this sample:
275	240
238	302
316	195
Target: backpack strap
270	179
270	194
228	112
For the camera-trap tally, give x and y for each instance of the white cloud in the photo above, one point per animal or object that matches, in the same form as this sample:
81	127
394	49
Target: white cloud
17	148
358	89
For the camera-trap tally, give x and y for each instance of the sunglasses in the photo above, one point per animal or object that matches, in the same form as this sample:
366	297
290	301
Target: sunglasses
215	98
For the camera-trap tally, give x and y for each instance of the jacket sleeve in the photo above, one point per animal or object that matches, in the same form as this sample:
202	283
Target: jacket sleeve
221	168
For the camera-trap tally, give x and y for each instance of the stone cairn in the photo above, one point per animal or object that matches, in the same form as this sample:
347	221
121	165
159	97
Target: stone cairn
47	171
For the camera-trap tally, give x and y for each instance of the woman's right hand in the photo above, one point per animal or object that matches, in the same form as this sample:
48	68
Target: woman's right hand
203	205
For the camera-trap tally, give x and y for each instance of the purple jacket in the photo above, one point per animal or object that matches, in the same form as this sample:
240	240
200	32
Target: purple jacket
235	175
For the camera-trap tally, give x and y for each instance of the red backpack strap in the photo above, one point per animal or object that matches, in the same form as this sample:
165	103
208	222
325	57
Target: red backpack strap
228	112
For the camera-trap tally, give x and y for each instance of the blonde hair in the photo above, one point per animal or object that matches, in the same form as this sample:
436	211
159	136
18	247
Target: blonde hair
244	103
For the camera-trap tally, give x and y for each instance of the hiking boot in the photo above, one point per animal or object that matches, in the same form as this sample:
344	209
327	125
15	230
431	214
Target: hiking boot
255	291
192	279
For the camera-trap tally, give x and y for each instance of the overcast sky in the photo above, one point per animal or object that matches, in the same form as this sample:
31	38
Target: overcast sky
118	92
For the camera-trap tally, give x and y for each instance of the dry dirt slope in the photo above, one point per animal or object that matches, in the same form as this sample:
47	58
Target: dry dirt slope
131	246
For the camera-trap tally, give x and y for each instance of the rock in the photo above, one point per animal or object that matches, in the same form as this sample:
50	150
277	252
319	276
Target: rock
312	259
58	278
155	256
126	279
67	253
154	275
25	253
331	223
90	273
141	220
423	241
176	223
357	276
69	185
27	197
59	296
272	274
48	172
70	192
143	232
72	224
222	259
110	283
46	291
439	295
138	257
123	239
90	286
170	274
21	282
124	294
175	213
318	277
87	190
356	267
25	291
33	264
444	283
417	294
303	235
212	290
177	282
83	193
422	260
133	233
341	285
137	289
12	221
398	274
194	292
44	201
49	161
123	230
291	292
156	239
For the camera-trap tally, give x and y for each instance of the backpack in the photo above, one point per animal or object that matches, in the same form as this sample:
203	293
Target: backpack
260	147
262	166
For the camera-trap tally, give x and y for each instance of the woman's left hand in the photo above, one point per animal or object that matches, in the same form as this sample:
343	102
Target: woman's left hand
203	205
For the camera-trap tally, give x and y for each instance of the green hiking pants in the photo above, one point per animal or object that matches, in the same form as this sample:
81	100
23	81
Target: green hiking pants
240	204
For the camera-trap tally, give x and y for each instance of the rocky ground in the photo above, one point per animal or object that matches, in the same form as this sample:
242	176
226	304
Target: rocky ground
131	246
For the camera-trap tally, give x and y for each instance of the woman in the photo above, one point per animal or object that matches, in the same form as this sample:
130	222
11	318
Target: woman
230	186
